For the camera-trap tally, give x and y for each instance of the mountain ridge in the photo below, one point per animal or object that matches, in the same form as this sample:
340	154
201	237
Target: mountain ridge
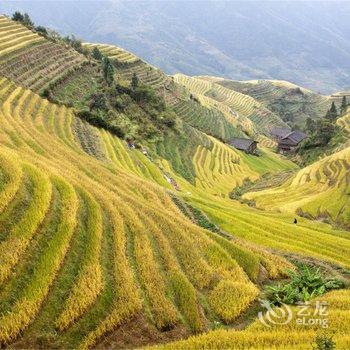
297	47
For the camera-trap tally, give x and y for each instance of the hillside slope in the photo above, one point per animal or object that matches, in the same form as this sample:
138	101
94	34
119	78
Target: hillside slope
291	336
306	43
99	239
128	225
293	103
252	117
209	120
115	220
321	190
31	60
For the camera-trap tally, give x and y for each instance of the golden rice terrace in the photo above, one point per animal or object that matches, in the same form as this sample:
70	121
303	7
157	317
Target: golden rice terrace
108	245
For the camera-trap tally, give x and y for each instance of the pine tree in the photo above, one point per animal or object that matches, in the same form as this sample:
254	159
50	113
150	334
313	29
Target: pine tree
18	17
134	81
27	21
108	70
343	105
96	54
41	30
310	125
332	113
325	131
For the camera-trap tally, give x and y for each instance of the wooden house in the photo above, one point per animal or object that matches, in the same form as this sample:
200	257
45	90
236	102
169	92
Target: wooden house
279	133
291	141
246	145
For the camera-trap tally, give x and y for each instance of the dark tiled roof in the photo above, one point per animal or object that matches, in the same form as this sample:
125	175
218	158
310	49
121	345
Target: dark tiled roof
294	138
280	132
242	144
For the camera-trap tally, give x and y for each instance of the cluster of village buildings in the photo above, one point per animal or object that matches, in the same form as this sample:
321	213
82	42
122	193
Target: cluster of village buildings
287	141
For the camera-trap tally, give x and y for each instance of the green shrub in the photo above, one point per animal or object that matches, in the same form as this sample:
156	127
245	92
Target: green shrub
323	342
96	54
305	284
98	121
147	98
41	30
122	102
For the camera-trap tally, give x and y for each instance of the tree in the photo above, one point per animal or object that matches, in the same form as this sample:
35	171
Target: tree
27	21
41	30
98	101
96	54
343	105
288	117
107	70
169	119
134	81
74	42
298	91
325	131
24	19
18	17
46	93
310	126
332	113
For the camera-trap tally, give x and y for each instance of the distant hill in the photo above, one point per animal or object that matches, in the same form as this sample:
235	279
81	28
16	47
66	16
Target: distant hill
307	43
291	102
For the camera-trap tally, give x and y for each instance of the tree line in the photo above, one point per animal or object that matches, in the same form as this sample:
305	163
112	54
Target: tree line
323	130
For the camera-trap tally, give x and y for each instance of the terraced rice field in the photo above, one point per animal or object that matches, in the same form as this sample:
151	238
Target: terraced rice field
220	168
124	222
128	64
217	119
344	121
291	336
269	229
112	218
282	97
92	242
15	36
209	120
113	52
321	189
242	106
32	61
